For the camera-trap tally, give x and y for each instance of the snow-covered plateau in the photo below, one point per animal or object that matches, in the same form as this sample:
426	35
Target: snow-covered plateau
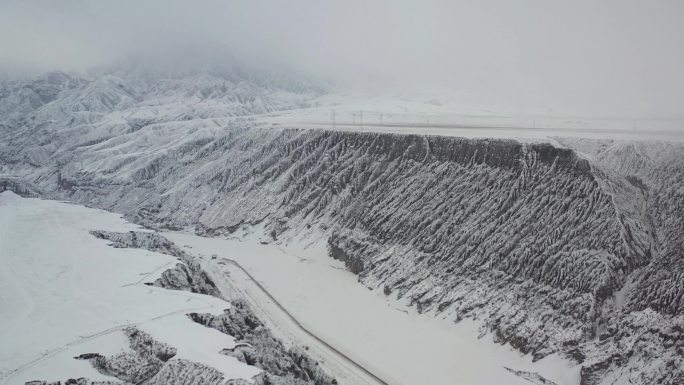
563	254
67	293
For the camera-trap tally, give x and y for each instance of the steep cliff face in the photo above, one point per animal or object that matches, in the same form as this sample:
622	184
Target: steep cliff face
548	249
648	320
257	346
655	169
18	186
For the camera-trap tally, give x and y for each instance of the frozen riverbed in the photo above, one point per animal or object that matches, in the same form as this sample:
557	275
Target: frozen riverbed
393	341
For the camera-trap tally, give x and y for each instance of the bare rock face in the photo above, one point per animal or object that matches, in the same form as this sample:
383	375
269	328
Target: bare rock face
151	362
642	341
73	381
143	361
184	372
142	240
184	276
187	277
336	250
18	186
256	346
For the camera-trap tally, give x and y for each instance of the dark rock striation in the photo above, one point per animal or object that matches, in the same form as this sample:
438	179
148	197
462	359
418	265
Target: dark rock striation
256	346
184	276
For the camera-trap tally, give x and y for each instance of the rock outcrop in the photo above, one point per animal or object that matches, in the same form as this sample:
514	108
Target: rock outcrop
187	275
256	346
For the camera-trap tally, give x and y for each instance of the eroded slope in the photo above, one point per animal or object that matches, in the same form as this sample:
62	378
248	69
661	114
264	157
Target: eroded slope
551	250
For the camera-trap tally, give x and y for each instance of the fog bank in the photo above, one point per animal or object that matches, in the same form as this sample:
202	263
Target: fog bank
611	58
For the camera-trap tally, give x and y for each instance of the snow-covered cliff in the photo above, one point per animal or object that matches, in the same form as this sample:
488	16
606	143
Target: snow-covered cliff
575	249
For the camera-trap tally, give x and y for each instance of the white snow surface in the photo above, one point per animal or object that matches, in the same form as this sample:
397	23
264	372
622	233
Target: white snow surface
382	334
64	292
448	114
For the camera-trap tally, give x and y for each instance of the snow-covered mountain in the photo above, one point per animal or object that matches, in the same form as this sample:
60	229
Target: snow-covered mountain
575	247
131	94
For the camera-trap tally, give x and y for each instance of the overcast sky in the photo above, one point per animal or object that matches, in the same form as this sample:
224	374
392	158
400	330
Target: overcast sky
605	57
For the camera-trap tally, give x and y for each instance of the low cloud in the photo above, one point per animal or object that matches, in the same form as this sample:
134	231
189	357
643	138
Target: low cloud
610	58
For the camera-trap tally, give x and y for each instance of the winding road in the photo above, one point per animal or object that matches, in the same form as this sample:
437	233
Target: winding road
230	275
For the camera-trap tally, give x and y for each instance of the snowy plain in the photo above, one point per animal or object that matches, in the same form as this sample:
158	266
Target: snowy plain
397	344
64	292
448	114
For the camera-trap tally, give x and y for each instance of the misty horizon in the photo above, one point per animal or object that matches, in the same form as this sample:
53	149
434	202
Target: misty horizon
617	59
